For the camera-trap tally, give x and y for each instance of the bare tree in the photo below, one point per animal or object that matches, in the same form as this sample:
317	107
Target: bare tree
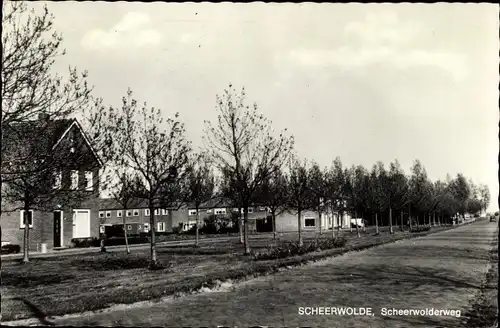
397	190
29	88
122	191
318	189
274	195
156	150
242	143
227	191
300	195
357	191
373	202
200	187
335	192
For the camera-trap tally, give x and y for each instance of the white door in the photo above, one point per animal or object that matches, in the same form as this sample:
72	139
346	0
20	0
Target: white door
81	223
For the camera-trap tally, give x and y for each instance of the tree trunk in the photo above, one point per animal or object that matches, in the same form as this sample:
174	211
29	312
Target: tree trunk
439	220
418	221
125	233
434	219
363	220
333	225
26	245
240	226
410	223
197	238
391	231
339	222
320	222
154	261
245	231
402	221
356	221
350	225
273	215
376	224
299	221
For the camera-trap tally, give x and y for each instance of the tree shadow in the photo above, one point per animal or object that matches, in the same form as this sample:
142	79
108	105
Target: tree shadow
36	311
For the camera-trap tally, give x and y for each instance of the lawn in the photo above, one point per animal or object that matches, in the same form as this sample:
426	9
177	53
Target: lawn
70	284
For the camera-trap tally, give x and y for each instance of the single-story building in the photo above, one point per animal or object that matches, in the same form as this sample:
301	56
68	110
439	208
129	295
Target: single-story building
288	221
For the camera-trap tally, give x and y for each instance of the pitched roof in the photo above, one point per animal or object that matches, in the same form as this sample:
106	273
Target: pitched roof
41	135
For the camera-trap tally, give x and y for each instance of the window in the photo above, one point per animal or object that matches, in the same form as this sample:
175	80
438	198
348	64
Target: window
119	213
136	212
309	222
74	180
235	209
89	183
146	227
57	180
129	227
192	212
101	214
29	219
262	208
209	211
250	210
108	214
164	212
157	212
146	212
129	214
161	226
102	229
220	211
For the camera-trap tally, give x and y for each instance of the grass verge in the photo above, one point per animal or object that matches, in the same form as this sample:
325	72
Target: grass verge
484	310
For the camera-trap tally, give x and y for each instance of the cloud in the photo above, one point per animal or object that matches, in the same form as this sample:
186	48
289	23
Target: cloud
131	31
348	58
384	40
382	28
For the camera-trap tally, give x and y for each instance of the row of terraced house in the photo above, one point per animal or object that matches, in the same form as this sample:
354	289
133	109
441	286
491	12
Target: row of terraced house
58	225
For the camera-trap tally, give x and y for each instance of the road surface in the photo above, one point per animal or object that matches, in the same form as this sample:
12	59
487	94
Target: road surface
442	271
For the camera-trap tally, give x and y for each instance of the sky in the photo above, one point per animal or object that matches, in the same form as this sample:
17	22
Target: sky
365	82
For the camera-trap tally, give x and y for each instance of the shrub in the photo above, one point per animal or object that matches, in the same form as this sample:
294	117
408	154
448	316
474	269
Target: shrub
178	230
288	249
10	249
219	225
86	242
420	229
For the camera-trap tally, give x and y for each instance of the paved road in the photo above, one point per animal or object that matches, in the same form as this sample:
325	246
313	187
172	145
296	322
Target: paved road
439	271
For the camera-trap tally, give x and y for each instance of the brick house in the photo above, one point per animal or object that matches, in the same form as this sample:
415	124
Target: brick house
257	215
61	218
111	213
